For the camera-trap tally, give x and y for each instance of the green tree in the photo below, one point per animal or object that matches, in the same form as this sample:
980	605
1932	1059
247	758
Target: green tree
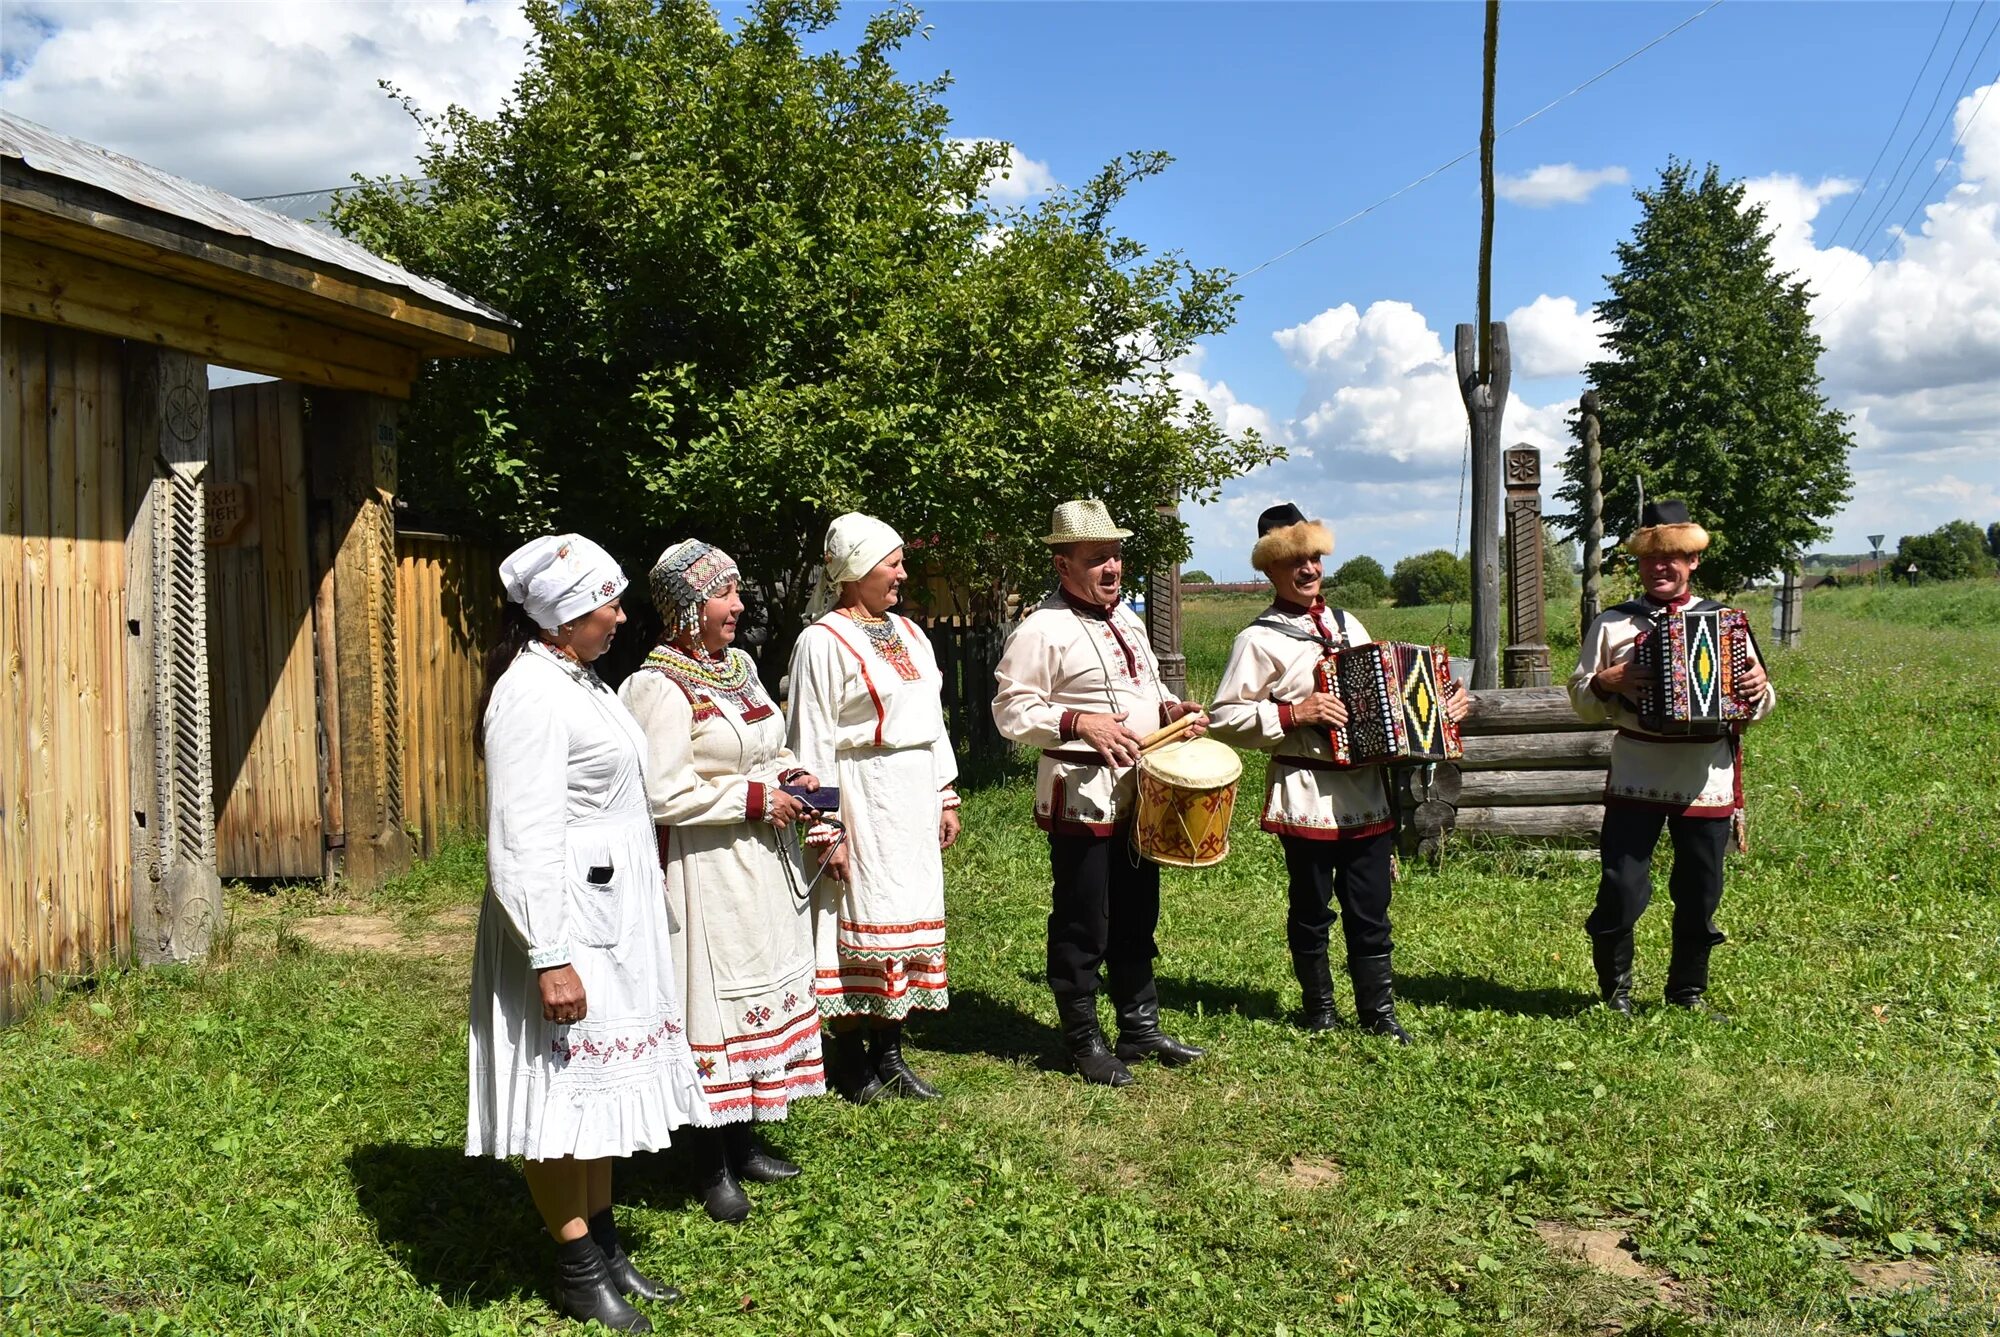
1196	576
1432	577
1952	551
1710	391
1362	573
1559	560
758	285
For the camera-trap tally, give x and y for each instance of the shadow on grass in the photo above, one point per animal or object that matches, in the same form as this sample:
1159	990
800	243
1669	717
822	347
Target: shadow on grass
1183	994
462	1226
1474	994
980	1023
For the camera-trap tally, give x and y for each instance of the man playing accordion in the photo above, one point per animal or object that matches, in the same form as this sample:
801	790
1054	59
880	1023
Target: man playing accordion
1336	823
1688	781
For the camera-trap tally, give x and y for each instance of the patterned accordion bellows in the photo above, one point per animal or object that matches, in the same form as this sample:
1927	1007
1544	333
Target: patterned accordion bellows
1690	661
1394	694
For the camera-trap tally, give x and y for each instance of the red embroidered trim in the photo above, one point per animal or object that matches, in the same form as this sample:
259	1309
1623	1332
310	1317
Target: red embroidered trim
1285	721
753	803
590	1049
866	680
1278	828
857	926
1066	728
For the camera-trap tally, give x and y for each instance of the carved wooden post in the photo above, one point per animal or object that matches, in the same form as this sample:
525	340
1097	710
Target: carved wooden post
1528	650
1163	614
176	895
1591	603
1788	606
352	441
1485	405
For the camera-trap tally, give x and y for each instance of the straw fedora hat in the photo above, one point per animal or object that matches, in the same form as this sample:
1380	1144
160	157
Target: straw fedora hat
1082	522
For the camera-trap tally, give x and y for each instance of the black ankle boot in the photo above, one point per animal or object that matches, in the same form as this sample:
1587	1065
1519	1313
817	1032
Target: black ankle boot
853	1075
885	1052
1687	979
1612	955
1088	1053
628	1279
750	1159
1140	1036
1375	997
585	1291
721	1195
1317	1011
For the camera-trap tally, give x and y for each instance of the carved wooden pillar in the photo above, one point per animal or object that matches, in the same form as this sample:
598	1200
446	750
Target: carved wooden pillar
351	438
1163	615
176	895
1592	602
1485	404
1528	651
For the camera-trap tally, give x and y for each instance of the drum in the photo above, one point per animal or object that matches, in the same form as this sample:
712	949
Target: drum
1187	794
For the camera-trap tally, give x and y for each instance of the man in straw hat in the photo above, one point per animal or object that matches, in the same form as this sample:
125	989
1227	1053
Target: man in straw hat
1079	681
1693	786
1336	824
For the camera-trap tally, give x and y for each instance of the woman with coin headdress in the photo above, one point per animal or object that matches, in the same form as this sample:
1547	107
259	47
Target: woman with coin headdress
743	931
577	1053
867	713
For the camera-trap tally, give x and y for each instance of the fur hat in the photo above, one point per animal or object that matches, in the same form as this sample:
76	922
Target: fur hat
1284	535
1665	529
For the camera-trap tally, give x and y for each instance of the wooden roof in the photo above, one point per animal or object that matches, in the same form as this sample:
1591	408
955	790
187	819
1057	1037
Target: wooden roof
99	241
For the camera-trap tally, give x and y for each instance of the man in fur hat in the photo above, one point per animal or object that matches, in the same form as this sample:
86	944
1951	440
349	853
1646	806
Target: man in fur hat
1692	786
1076	679
1336	824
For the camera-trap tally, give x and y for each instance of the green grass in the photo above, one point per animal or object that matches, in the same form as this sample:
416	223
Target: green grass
271	1143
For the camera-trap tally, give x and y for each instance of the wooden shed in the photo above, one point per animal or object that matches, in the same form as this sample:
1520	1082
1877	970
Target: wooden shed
198	599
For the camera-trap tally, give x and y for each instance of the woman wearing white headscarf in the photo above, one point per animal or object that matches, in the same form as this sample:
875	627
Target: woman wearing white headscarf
867	713
577	1049
743	934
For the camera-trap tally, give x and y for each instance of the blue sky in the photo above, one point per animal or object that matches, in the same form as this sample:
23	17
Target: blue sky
1283	119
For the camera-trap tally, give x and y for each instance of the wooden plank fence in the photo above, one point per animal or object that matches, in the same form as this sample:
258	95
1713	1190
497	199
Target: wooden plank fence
447	609
65	847
967	652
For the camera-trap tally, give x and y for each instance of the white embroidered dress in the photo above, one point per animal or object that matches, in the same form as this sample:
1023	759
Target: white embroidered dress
867	715
743	936
572	878
1268	672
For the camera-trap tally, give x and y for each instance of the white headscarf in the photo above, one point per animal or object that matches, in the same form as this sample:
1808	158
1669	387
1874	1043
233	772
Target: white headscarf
855	545
560	577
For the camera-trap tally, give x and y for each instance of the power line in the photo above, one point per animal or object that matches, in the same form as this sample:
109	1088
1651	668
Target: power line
1833	238
1447	166
1893	195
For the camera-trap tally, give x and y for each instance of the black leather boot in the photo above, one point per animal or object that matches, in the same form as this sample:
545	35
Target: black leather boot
750	1159
721	1195
1375	997
585	1291
1140	1036
885	1052
628	1279
853	1075
1687	979
1612	955
1317	1011
1087	1051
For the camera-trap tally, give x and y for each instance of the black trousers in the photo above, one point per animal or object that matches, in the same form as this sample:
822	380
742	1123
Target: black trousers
1354	872
1626	887
1105	908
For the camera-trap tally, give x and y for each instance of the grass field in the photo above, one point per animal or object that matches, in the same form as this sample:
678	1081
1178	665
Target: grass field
270	1143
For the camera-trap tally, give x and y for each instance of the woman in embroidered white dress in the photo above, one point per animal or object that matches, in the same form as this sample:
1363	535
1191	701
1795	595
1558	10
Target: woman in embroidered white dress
743	934
867	713
576	1052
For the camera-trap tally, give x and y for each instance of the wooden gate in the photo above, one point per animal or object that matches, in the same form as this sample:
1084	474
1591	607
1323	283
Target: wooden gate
260	645
447	607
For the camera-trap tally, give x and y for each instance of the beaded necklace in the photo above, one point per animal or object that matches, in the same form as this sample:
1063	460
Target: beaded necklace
888	643
566	660
732	676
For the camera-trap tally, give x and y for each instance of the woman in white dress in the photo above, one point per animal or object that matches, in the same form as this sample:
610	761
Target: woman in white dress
577	1049
743	933
867	713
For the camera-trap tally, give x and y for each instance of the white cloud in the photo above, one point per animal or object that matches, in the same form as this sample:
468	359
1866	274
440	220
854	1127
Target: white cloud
1234	415
1017	180
1551	337
1557	183
257	99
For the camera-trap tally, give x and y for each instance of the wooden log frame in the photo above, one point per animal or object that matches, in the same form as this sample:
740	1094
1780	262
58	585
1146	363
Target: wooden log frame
352	445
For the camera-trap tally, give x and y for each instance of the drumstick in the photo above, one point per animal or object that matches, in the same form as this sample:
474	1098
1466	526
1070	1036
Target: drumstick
1162	736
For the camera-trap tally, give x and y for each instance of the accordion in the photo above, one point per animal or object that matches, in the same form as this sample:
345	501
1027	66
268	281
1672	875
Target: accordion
1394	694
1689	661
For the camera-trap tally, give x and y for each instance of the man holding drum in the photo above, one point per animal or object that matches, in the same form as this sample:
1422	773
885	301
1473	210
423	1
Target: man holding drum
1691	784
1076	679
1336	823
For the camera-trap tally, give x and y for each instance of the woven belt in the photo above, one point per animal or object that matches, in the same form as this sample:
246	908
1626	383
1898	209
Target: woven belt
1310	763
1080	756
